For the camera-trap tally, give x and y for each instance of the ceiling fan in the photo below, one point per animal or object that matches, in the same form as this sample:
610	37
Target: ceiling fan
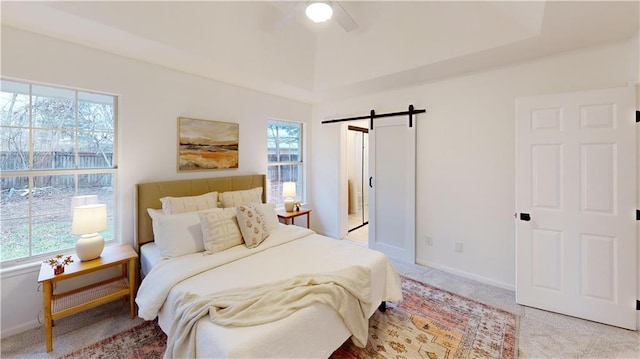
325	10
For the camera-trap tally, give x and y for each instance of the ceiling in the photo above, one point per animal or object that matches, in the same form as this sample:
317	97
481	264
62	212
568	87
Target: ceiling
268	47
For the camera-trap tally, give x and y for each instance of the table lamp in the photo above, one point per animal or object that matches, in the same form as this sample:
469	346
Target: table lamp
88	220
289	193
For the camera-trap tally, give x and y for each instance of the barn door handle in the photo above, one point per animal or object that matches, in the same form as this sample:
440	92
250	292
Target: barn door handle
525	217
370	185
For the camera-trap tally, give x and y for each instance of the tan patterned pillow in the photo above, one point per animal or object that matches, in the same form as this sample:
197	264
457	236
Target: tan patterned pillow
219	231
252	226
239	198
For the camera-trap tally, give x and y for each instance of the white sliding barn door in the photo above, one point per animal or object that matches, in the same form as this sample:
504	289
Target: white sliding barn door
392	152
576	181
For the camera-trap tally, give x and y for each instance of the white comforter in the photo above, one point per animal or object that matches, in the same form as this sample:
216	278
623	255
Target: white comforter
314	331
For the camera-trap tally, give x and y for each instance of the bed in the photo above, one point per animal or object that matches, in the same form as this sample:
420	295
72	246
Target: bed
315	330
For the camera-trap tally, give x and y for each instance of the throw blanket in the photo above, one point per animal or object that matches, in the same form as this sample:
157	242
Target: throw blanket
346	291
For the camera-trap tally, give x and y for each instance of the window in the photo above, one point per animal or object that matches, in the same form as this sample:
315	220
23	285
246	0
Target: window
55	143
284	159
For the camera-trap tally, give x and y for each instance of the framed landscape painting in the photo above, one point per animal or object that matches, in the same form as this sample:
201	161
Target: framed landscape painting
207	145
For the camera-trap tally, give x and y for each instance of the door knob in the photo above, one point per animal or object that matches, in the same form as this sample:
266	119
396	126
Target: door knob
525	217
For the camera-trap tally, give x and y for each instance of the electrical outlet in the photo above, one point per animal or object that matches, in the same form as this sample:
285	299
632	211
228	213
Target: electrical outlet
459	247
428	240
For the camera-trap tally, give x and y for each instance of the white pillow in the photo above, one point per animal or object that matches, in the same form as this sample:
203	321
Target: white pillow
177	234
238	198
154	212
219	230
175	205
253	228
268	213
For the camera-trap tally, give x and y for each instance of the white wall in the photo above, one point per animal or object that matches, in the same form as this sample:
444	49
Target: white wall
151	99
466	153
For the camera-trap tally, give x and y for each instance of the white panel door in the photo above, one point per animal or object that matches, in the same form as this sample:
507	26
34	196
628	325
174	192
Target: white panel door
392	151
576	180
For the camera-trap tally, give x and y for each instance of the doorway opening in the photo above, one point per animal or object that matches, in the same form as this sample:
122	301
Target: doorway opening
389	185
357	190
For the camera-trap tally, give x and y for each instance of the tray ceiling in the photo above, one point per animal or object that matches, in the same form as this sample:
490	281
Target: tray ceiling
397	44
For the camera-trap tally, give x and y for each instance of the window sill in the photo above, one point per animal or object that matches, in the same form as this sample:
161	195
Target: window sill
20	269
281	206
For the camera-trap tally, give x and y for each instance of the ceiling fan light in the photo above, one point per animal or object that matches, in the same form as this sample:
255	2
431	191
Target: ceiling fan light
319	11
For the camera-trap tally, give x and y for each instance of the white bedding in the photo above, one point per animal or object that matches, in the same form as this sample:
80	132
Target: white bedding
315	331
149	256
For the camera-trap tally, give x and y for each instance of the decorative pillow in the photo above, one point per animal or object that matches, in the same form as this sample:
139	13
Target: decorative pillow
177	234
175	205
219	230
239	198
268	213
253	228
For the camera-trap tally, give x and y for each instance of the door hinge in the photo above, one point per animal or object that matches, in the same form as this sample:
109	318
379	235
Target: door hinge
637	304
637	214
637	115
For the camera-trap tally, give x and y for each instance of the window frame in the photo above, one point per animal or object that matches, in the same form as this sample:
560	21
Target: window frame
301	180
31	173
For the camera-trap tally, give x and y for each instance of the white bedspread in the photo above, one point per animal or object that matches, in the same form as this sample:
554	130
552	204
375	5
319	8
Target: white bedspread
314	331
346	291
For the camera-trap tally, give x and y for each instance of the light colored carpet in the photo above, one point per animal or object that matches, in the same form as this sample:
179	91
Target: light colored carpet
541	334
72	332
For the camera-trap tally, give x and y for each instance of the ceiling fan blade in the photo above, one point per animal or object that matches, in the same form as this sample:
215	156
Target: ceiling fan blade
343	18
291	14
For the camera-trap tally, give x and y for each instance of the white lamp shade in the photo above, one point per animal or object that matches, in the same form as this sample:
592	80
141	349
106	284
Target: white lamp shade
91	218
289	189
319	11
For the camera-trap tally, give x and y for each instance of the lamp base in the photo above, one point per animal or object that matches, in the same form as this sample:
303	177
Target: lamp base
288	204
89	247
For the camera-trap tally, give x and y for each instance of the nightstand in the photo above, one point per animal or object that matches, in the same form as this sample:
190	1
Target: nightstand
58	305
286	217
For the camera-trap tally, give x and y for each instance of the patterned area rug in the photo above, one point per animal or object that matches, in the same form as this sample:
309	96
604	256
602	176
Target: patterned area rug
145	341
429	323
433	323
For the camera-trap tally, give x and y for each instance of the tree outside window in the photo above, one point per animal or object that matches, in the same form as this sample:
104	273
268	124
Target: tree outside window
284	159
55	143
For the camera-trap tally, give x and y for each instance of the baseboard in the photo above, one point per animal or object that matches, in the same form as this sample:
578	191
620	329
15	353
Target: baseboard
330	235
468	275
19	329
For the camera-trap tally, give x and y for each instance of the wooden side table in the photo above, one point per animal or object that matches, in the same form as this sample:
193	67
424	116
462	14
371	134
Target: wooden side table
286	217
61	304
